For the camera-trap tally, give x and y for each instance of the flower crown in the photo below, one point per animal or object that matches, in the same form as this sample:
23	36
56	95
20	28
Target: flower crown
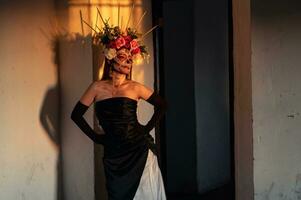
116	41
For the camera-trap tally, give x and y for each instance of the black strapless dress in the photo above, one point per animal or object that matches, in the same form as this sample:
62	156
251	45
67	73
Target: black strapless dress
126	146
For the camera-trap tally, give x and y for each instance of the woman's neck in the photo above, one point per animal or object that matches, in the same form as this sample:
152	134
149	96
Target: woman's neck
118	79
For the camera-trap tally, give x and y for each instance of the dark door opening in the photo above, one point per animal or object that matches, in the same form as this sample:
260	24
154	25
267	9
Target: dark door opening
194	72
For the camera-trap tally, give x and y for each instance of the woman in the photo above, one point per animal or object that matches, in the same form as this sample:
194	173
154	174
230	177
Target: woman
130	160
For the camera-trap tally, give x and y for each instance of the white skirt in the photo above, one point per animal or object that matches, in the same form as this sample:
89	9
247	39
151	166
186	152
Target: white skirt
151	183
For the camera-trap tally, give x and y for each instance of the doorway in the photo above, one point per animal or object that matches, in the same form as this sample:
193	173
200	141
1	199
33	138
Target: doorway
194	65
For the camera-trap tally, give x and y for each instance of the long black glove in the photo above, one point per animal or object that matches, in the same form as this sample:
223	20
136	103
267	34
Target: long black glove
77	116
160	105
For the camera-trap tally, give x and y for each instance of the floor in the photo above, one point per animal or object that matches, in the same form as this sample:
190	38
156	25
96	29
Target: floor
223	193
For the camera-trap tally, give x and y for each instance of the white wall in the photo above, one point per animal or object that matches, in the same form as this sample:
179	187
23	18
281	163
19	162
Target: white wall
28	117
276	74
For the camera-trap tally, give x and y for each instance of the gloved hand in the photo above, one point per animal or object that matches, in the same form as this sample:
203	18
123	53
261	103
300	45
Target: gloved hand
149	138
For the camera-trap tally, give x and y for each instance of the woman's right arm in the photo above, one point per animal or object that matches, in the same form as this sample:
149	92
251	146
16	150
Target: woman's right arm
80	109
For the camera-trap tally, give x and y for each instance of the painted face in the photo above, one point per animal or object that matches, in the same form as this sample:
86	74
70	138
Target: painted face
123	61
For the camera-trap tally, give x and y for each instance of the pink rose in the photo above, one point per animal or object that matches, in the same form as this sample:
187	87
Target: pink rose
119	42
134	44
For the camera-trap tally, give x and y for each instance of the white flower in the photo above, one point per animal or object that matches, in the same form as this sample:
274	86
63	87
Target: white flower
109	53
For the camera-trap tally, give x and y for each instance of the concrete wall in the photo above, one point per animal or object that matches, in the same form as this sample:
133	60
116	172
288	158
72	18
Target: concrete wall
29	136
276	74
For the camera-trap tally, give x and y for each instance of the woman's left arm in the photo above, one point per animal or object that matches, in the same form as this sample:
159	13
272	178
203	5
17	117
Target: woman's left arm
159	103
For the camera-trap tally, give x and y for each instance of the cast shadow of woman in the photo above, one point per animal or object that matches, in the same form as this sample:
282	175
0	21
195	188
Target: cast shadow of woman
50	113
50	119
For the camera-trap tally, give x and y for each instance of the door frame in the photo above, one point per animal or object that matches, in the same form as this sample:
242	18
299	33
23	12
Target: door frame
243	134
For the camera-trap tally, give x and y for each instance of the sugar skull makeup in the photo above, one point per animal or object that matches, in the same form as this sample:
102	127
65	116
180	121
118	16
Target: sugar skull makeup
123	57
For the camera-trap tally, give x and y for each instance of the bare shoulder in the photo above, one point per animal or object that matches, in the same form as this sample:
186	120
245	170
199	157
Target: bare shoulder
134	83
88	96
139	85
98	84
142	90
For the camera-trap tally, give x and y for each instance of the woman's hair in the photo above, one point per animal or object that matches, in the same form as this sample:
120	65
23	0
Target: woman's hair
107	70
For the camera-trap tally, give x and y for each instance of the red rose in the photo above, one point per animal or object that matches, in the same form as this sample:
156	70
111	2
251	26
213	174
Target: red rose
119	42
127	45
135	51
112	44
127	38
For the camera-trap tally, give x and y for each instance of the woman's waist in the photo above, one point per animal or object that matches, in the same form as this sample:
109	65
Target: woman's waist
121	128
122	147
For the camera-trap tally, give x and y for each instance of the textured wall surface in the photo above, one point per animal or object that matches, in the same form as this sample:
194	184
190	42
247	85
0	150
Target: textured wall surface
276	70
29	99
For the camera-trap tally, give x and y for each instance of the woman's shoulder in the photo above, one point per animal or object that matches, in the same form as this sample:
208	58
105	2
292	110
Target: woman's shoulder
136	83
99	83
133	82
141	87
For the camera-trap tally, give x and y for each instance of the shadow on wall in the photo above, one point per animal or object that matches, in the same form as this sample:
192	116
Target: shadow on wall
50	113
50	120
